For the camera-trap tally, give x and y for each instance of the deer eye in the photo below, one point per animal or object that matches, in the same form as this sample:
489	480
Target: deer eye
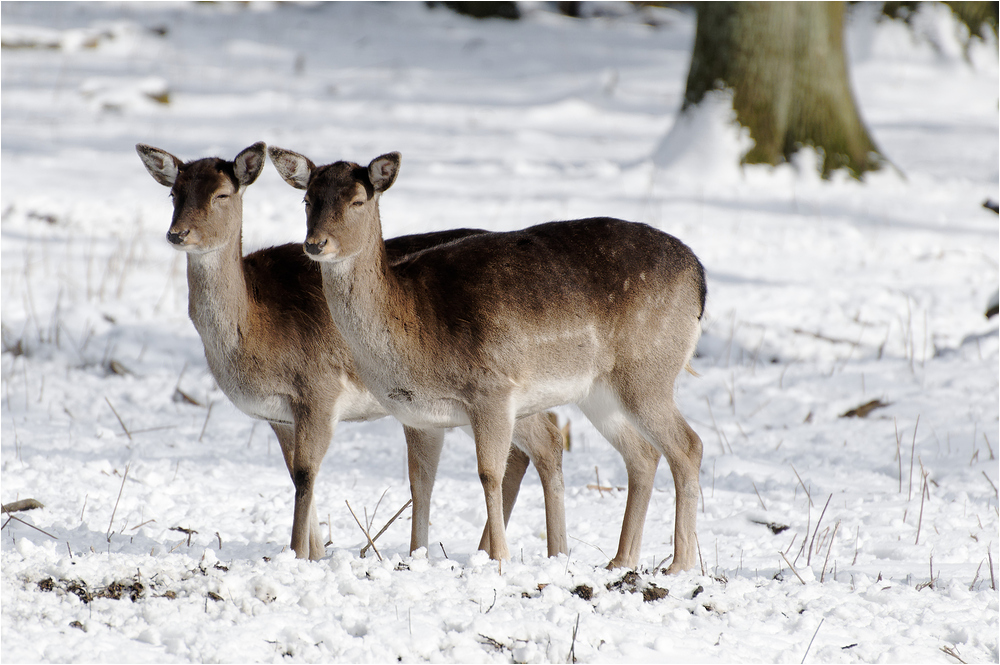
357	204
219	197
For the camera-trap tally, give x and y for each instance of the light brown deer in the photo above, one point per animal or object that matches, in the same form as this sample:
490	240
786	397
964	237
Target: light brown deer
488	329
276	353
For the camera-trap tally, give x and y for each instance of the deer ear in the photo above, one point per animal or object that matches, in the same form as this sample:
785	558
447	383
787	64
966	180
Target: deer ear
163	166
249	163
293	167
382	171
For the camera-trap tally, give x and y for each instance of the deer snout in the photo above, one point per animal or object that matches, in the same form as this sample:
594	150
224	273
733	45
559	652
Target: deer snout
315	248
177	237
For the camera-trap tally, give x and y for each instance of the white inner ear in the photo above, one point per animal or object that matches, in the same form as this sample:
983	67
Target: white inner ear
164	165
383	170
301	172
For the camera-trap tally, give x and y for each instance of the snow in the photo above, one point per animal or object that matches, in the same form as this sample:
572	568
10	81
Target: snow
823	296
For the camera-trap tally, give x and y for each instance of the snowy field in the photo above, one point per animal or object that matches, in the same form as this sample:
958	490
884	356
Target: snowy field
823	296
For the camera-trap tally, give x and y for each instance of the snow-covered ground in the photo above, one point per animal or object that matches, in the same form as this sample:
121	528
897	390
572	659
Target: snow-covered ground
823	296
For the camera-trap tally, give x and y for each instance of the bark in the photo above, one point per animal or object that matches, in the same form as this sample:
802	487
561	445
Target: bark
785	63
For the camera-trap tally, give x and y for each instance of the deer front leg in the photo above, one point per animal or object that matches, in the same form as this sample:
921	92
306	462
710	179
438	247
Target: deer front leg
493	428
313	432
307	539
423	451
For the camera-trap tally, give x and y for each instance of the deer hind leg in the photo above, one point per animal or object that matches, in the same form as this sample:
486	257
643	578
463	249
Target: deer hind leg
423	451
537	438
307	542
657	417
517	466
641	459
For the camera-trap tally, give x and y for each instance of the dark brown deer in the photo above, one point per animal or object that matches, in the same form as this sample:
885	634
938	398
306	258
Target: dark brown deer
276	353
488	329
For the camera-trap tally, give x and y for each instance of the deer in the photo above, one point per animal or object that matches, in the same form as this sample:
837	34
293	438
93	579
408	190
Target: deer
273	348
487	330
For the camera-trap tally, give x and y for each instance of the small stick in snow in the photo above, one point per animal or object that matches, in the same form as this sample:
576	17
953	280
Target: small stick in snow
909	493
984	476
813	638
899	455
792	567
207	416
392	519
951	652
818	522
363	530
572	645
920	520
120	489
993	579
120	421
443	550
976	578
808	495
828	549
15	517
758	495
23	504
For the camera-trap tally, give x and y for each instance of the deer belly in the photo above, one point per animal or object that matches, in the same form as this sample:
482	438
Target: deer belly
273	408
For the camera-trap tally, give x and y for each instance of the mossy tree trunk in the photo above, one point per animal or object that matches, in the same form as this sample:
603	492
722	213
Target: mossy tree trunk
785	63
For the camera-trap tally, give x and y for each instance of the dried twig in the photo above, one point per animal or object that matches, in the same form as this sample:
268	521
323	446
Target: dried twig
363	530
827	559
951	652
913	445
984	475
758	495
18	519
364	550
920	520
813	638
572	645
792	567
804	488
120	421
120	489
813	541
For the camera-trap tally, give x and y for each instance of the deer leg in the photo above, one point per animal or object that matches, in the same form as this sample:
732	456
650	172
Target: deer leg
539	436
604	410
302	541
312	438
667	429
517	465
641	460
684	457
423	451
493	429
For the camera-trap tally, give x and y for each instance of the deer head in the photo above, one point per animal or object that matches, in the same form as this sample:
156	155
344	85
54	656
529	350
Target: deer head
207	195
341	201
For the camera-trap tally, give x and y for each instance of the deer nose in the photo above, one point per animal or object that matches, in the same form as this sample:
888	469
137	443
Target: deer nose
177	237
314	248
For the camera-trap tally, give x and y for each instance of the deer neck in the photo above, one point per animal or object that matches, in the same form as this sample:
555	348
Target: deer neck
218	303
369	304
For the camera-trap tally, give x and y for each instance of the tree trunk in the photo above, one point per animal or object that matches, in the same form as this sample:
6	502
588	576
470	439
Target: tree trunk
784	62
